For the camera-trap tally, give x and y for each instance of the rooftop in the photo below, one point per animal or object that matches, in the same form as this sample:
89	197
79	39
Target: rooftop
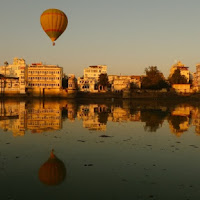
97	66
40	65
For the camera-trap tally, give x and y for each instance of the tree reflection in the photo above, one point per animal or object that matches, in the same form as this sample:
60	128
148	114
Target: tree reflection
178	124
103	117
153	119
64	113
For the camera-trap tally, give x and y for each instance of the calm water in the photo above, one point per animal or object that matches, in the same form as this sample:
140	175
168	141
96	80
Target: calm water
106	150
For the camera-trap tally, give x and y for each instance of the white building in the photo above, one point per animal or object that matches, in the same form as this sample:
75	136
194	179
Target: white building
183	70
118	83
88	83
95	71
44	79
13	70
16	70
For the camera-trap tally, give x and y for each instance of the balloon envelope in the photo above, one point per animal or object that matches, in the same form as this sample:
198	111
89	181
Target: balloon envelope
54	22
53	171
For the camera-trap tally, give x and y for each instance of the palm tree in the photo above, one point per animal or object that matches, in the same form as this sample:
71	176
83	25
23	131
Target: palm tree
5	64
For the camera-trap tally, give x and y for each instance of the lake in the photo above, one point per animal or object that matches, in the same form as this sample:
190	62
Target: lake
99	150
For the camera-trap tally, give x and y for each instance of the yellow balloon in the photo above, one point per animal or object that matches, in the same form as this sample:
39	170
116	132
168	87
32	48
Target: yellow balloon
54	22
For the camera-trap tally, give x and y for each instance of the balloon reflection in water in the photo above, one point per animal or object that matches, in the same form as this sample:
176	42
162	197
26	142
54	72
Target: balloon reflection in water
53	171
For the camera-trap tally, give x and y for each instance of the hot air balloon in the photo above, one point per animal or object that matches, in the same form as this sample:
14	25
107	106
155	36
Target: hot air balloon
53	171
54	22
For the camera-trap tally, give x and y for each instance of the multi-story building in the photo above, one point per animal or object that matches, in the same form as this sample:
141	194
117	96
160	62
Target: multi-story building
72	84
121	82
95	71
9	85
196	80
88	83
13	70
36	79
44	79
16	70
183	70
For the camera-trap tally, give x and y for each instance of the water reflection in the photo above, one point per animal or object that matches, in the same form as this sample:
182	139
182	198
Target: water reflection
153	118
53	171
41	116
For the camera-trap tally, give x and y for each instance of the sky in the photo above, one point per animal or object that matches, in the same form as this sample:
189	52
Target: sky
125	35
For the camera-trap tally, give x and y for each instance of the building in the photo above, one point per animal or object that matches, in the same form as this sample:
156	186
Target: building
72	82
9	85
183	70
16	70
95	71
13	70
36	79
44	79
88	83
196	79
182	88
119	83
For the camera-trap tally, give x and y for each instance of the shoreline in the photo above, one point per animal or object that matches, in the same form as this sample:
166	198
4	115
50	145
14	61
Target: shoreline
141	96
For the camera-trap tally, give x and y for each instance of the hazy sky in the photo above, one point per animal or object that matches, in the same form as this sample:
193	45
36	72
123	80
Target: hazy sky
125	35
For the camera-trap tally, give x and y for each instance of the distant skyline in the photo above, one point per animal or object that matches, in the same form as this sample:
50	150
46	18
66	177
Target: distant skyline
127	36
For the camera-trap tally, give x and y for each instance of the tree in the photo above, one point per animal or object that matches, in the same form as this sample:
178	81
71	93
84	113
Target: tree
5	65
133	86
153	119
177	78
65	82
103	81
154	79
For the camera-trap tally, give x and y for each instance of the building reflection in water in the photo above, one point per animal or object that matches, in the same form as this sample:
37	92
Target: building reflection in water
53	171
40	116
91	116
179	119
44	117
13	117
